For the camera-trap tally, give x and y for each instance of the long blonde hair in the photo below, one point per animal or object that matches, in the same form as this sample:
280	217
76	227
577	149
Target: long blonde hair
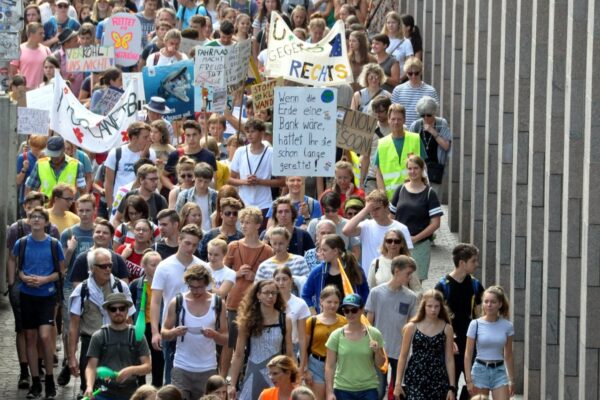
444	314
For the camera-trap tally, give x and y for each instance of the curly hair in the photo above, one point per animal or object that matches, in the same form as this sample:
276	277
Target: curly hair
250	315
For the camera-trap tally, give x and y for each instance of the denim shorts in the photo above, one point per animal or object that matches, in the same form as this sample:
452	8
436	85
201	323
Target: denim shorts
488	377
317	369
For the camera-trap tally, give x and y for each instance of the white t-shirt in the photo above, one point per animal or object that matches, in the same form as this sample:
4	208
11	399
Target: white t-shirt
124	174
371	238
245	163
222	275
168	277
296	309
401	49
202	201
46	12
164	60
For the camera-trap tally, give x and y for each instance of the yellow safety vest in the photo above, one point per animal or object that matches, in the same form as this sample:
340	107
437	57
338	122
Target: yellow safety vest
392	167
355	161
48	178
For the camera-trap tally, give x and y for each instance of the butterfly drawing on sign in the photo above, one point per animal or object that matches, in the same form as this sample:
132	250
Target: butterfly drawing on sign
122	41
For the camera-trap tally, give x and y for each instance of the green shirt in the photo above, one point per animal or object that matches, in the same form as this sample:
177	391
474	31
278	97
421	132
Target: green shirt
355	368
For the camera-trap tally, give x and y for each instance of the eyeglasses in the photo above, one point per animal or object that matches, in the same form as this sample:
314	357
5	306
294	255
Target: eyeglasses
349	310
119	309
394	241
285	211
426	115
186	176
37	216
270	293
413	73
68	199
230	213
142	230
104	266
331	210
62	5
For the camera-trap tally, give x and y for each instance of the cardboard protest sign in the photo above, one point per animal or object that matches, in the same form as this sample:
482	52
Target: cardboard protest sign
123	31
92	132
324	63
209	67
32	122
90	58
262	94
355	131
109	98
174	84
40	99
304	131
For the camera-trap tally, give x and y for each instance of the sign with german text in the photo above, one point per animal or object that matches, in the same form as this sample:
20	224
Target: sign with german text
90	58
123	31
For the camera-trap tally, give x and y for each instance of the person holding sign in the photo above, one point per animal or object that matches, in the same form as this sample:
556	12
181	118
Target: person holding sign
251	169
393	152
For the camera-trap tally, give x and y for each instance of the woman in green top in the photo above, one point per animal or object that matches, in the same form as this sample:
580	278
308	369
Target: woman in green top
354	352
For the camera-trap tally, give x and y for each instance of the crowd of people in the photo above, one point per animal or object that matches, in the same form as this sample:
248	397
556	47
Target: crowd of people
178	266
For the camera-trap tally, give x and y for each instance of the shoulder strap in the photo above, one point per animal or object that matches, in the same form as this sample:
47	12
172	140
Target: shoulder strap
20	229
283	327
118	285
313	323
54	250
84	293
118	154
22	244
179	311
378	133
376	264
445	287
218	307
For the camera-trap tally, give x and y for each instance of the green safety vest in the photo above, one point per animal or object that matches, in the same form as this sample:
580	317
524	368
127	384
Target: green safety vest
392	167
48	178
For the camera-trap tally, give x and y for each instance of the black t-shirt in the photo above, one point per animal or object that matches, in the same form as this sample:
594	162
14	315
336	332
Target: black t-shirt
415	209
460	297
300	242
202	156
81	270
210	235
156	204
167	251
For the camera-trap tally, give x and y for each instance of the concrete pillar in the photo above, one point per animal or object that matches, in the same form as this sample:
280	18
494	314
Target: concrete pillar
490	148
572	197
535	196
426	26
446	51
466	127
437	11
456	75
588	337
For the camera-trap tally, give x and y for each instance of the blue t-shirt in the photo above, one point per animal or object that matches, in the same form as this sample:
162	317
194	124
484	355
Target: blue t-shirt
32	160
184	14
51	27
85	241
38	261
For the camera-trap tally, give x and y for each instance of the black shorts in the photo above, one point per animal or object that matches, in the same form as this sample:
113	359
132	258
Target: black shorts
233	329
37	311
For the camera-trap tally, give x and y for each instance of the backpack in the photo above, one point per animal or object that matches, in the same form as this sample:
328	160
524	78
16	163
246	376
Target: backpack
131	343
118	155
180	311
444	282
85	291
54	250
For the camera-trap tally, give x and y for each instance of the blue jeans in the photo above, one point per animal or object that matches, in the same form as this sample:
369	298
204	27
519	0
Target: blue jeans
168	355
370	394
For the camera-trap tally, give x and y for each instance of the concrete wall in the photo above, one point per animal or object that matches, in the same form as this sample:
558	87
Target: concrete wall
519	85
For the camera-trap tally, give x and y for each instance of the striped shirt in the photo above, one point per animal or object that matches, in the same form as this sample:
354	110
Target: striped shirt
408	96
295	263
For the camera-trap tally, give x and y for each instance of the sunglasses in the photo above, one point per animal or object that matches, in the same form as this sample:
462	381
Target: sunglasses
230	213
104	266
115	309
62	5
413	73
426	115
349	310
186	176
395	241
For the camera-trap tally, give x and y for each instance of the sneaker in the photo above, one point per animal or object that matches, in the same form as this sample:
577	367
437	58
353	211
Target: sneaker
65	375
35	392
50	389
23	381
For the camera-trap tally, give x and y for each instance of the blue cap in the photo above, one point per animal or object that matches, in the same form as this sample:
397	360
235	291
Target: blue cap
352	300
55	146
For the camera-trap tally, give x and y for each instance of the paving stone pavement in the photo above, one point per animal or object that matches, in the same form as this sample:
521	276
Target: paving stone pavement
441	264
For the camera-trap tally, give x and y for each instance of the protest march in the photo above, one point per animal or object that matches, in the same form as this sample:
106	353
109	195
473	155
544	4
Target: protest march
228	200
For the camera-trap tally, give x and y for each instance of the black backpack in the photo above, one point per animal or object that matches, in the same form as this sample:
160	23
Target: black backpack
85	291
131	344
54	250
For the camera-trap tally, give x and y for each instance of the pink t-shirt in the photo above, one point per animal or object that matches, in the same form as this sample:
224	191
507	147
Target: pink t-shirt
31	64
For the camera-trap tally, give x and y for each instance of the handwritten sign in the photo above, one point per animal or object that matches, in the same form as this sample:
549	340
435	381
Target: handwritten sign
324	63
109	98
40	99
123	31
304	131
210	99
90	58
209	67
355	131
32	122
236	63
262	94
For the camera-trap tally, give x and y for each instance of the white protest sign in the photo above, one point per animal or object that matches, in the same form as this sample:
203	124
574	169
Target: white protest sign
91	132
324	63
304	131
92	58
32	122
355	131
209	66
123	31
236	64
138	79
40	99
187	45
